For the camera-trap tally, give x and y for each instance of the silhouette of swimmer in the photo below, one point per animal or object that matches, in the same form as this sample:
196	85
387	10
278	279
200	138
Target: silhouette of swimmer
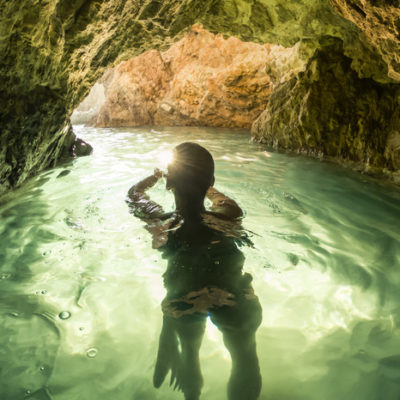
204	275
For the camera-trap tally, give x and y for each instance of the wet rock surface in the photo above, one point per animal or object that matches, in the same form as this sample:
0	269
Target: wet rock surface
327	110
52	52
201	80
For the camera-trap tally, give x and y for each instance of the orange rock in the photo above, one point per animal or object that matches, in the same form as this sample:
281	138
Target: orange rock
203	79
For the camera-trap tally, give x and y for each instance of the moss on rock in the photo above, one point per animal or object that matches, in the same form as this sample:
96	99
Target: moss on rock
327	110
53	51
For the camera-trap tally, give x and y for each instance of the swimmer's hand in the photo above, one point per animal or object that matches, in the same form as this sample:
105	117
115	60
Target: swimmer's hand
158	173
139	202
168	357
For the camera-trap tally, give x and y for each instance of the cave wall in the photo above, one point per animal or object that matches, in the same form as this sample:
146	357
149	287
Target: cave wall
53	51
379	26
328	111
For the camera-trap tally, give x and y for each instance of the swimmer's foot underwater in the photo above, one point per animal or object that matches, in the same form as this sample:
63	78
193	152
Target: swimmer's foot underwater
204	276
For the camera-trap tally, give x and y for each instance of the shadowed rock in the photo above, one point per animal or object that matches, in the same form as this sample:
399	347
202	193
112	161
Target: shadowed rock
328	111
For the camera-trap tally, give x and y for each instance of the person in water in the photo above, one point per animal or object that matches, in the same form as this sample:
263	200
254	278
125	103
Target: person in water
204	275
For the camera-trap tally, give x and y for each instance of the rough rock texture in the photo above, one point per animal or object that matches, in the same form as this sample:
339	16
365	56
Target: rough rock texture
379	23
201	80
327	110
53	51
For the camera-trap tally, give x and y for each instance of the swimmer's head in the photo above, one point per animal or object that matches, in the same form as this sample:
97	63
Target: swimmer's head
191	171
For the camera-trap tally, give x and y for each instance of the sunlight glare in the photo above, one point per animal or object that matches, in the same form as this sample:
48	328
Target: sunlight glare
165	158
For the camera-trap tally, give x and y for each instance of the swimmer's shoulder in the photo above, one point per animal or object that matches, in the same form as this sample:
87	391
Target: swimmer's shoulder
223	206
225	215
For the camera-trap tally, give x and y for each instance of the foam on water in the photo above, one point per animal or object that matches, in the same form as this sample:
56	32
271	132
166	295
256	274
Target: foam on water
80	286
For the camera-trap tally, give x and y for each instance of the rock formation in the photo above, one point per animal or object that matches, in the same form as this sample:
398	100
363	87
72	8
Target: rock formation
52	52
201	80
379	24
327	110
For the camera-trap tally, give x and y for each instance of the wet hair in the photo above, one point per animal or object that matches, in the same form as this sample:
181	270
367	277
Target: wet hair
191	172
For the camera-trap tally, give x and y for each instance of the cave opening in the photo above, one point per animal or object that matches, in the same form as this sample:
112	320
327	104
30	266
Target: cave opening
203	79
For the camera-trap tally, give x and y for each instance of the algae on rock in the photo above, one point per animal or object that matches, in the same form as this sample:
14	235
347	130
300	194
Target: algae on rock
327	110
51	53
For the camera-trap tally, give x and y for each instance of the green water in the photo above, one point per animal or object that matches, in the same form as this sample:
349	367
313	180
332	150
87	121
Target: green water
81	287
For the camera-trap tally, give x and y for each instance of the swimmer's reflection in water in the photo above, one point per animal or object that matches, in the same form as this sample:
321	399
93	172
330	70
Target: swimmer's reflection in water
204	276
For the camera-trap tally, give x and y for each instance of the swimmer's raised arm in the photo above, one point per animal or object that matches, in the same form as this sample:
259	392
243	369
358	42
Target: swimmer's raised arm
139	202
223	205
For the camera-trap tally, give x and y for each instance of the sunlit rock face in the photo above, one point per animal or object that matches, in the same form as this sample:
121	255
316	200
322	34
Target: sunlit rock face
327	110
90	106
201	80
52	52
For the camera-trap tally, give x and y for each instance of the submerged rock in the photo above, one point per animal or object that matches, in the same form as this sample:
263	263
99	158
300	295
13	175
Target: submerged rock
203	79
81	148
327	110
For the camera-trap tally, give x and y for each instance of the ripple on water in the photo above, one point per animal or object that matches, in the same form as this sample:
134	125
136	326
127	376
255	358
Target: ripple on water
324	265
64	315
91	353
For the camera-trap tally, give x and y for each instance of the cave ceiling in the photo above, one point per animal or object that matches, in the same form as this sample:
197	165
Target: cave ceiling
66	45
53	51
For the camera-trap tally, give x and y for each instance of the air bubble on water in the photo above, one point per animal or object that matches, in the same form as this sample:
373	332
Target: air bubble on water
64	315
91	353
27	391
42	368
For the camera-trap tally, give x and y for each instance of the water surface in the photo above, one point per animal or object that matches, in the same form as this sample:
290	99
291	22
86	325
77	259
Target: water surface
80	285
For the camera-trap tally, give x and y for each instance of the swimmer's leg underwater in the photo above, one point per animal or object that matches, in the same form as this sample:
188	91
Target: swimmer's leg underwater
238	325
185	363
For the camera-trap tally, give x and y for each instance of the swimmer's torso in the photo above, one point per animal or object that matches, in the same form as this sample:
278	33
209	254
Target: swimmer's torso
201	257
